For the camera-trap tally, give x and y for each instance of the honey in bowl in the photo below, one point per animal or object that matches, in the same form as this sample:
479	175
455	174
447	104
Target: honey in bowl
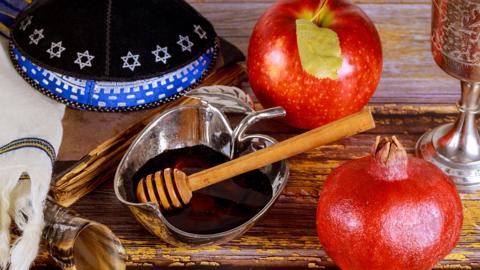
217	208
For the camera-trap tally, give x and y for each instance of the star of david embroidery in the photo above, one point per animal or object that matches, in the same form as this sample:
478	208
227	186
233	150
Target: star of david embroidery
200	32
131	64
36	36
84	59
161	58
25	23
56	50
185	43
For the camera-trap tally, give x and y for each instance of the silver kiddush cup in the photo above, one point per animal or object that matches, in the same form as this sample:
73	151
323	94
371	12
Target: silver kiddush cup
455	148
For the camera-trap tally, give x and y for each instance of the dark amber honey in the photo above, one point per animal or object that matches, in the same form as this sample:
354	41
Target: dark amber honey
217	208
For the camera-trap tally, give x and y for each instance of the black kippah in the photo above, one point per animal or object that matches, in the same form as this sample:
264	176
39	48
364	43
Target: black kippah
114	41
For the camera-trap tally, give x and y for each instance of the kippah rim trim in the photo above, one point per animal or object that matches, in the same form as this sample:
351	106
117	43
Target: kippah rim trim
87	107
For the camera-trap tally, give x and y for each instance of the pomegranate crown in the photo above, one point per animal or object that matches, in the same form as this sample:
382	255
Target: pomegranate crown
390	159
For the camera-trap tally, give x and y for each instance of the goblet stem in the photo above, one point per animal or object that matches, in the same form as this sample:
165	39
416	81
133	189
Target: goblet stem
455	148
462	142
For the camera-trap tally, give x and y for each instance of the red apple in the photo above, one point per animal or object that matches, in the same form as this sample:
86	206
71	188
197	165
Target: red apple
331	91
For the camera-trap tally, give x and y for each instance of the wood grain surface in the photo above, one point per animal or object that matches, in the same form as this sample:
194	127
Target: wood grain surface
409	74
414	95
286	236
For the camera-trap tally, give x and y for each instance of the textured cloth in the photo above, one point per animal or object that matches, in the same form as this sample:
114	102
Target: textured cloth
30	135
8	10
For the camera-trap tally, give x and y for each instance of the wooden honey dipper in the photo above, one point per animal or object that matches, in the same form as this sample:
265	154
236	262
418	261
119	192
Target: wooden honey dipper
174	187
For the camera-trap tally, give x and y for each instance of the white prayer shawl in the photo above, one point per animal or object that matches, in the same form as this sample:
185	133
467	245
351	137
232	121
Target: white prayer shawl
33	123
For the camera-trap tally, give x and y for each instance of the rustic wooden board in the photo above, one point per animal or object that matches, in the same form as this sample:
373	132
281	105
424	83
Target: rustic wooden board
412	86
409	76
286	236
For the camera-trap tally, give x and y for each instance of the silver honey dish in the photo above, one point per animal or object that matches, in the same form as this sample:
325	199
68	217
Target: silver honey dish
455	148
190	125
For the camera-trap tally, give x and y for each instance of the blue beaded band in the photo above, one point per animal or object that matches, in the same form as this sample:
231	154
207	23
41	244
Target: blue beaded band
115	96
41	144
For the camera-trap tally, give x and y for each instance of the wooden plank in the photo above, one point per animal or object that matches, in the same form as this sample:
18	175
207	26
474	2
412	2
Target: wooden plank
286	236
410	74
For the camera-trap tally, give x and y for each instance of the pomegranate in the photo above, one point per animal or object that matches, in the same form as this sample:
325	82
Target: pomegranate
388	211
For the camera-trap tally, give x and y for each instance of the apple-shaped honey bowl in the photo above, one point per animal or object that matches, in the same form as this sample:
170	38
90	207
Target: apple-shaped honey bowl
188	126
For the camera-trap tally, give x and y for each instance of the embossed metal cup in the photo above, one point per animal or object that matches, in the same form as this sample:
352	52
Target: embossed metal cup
455	148
191	125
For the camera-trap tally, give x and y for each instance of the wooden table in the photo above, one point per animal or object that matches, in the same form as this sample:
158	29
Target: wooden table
413	96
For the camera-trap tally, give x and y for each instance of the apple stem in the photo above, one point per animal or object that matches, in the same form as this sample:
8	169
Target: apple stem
318	16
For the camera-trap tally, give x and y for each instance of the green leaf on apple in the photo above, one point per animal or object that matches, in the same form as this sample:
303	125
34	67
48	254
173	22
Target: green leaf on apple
319	49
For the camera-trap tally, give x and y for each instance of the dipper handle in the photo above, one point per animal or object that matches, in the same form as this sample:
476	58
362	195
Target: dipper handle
173	188
329	133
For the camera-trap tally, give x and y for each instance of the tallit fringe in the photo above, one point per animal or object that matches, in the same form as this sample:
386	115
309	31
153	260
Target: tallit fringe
26	203
8	181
